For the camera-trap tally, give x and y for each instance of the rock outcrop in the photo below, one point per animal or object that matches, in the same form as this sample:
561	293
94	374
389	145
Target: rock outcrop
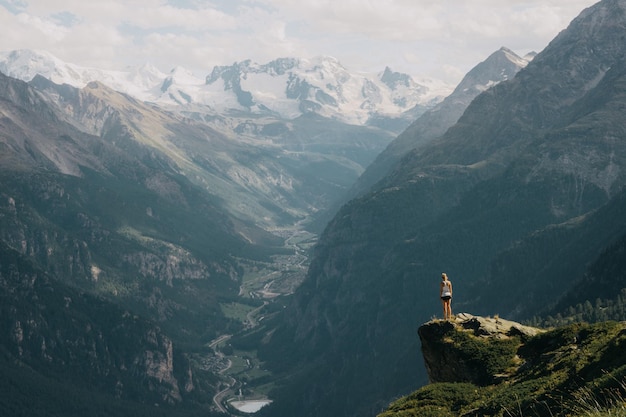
573	370
480	350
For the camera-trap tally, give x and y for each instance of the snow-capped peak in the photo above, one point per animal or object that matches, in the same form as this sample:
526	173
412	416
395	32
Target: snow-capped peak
145	76
25	64
516	59
182	76
292	86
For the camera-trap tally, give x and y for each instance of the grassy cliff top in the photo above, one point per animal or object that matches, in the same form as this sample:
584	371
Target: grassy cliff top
576	370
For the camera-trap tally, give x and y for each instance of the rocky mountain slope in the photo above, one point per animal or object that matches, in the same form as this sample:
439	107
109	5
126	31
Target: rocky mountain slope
538	155
500	66
518	371
86	340
448	358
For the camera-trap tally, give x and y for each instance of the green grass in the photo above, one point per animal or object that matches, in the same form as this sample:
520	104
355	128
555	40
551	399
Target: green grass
246	368
491	356
257	271
442	399
256	275
609	403
237	311
575	371
246	363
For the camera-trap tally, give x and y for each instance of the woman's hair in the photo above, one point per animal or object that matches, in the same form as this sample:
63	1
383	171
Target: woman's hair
443	275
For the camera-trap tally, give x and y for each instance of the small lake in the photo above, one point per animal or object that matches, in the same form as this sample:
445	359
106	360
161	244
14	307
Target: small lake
251	406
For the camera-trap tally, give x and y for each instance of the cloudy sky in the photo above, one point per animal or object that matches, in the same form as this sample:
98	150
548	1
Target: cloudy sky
440	39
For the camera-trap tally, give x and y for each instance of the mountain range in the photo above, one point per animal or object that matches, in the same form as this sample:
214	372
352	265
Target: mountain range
331	126
285	88
273	168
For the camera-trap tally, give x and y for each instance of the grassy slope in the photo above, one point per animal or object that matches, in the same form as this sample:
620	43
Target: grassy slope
578	369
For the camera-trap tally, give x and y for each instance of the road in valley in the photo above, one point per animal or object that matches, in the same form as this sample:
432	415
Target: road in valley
286	274
217	398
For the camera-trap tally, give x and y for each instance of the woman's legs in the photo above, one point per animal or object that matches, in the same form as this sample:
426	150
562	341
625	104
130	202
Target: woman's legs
447	309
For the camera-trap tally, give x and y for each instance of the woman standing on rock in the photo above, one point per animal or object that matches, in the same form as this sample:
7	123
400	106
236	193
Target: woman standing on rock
445	293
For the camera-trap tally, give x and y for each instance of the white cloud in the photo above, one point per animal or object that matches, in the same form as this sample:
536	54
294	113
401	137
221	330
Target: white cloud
45	28
439	38
413	20
165	16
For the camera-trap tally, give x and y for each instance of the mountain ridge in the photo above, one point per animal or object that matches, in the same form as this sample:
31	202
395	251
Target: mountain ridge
500	66
278	188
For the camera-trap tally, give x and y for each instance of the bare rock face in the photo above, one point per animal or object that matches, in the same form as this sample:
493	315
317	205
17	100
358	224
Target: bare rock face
159	367
58	331
494	326
480	350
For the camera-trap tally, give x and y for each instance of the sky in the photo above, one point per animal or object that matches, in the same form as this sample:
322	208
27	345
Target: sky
440	39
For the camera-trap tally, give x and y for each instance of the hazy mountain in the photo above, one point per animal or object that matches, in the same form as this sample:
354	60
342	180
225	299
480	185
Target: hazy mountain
154	210
130	273
114	214
268	169
272	173
285	88
499	66
25	64
543	150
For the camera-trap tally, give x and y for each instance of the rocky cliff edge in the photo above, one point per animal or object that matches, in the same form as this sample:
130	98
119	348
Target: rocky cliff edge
480	350
494	367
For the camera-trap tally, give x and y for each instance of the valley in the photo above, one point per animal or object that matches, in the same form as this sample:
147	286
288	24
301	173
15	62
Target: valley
281	276
244	380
